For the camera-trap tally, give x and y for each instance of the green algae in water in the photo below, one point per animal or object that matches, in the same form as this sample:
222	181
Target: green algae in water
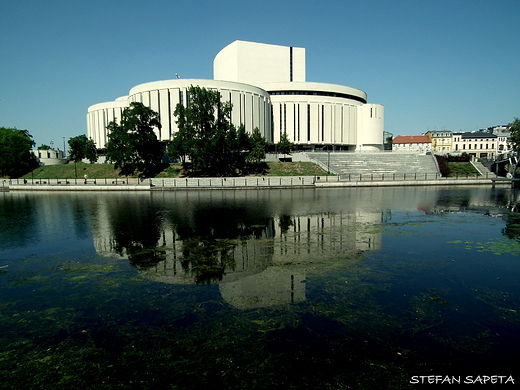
498	246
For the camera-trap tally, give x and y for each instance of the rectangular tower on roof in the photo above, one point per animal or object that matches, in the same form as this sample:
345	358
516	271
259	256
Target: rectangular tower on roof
259	63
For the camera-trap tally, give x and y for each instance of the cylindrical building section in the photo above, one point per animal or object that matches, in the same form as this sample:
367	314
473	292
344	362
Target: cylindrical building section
100	115
251	106
317	114
371	118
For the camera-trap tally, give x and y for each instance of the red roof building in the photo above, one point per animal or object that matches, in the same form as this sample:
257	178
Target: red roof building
412	143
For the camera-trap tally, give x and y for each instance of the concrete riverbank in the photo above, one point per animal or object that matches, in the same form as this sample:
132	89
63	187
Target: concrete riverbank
172	184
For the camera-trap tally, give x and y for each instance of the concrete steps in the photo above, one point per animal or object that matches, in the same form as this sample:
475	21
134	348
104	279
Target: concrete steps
374	163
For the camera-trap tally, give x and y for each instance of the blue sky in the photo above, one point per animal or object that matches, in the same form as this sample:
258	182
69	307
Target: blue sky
437	64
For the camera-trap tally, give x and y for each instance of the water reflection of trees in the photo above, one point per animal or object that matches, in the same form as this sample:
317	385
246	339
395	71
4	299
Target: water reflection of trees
18	220
208	235
136	231
207	260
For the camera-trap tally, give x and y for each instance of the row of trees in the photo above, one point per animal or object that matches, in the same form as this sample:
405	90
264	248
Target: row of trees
206	142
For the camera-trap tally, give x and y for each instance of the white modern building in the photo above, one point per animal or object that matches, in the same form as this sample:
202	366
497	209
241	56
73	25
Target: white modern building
268	89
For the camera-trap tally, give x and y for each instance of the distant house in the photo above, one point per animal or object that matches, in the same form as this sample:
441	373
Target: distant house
441	141
49	156
503	134
412	143
480	144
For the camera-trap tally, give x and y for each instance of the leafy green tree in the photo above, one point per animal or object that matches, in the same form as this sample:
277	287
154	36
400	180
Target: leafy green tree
16	158
285	146
132	144
206	135
514	139
258	147
44	147
82	147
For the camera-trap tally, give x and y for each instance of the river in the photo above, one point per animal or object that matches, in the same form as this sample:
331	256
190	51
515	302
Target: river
362	288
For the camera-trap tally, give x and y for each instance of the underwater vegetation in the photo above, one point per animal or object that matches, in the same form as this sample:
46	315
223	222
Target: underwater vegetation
165	299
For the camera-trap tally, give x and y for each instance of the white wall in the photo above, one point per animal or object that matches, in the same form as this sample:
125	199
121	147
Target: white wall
370	127
255	63
251	106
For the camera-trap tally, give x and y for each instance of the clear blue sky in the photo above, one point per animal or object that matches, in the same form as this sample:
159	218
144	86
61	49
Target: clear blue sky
433	64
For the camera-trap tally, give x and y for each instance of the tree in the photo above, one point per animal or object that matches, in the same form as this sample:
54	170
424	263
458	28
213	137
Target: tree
514	139
258	147
82	147
206	135
16	158
44	147
132	144
285	146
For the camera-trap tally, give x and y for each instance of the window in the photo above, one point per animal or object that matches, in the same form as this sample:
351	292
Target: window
308	122
322	123
281	120
291	63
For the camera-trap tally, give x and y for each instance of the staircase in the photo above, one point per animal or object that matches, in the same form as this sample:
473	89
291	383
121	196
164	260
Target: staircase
382	163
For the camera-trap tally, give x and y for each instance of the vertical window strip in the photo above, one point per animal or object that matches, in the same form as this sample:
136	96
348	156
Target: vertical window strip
281	119
322	123
284	118
169	115
294	122
308	122
291	64
272	124
298	121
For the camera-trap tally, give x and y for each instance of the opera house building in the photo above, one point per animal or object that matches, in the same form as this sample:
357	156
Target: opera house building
267	87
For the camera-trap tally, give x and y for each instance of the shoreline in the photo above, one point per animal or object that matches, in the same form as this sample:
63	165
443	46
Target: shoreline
241	183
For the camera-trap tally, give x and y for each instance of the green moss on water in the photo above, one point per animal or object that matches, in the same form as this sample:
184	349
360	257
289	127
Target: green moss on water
497	247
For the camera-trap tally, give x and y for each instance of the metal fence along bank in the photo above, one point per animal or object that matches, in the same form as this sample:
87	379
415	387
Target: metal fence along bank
353	180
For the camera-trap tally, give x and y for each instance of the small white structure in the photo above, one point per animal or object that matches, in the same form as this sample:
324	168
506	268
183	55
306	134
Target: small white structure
412	143
50	156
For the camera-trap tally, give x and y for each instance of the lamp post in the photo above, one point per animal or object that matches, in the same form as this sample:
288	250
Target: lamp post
63	147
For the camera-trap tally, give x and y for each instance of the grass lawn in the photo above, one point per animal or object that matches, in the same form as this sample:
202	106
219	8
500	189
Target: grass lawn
102	171
461	169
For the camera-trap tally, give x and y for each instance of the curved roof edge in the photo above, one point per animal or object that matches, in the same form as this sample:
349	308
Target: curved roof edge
119	103
206	83
314	87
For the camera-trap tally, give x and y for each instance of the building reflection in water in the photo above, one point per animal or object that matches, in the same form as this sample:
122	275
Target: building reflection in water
257	259
259	246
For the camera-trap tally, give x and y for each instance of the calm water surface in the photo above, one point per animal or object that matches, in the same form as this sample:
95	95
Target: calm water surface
362	288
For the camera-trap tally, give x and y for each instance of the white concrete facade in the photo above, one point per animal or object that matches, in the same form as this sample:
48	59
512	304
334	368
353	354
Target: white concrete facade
251	106
267	86
312	114
257	63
